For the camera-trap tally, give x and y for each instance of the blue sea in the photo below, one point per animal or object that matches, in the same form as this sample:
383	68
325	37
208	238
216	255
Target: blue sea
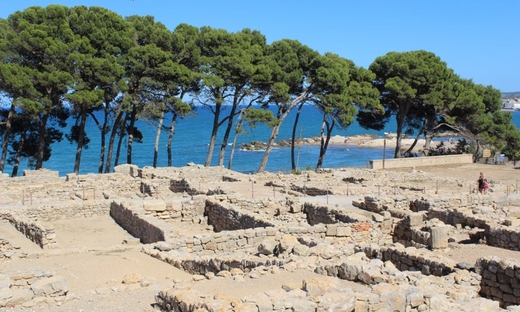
191	139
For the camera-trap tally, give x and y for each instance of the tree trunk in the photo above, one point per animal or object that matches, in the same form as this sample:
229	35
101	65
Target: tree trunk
295	125
223	146
230	163
42	127
427	145
81	138
213	135
410	149
274	134
170	139
119	143
103	129
18	155
111	141
130	137
157	137
324	142
239	126
5	143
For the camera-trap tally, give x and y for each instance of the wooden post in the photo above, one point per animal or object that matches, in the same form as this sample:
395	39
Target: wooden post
384	152
327	196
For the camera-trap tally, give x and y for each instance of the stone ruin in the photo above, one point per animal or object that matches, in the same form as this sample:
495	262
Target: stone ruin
382	232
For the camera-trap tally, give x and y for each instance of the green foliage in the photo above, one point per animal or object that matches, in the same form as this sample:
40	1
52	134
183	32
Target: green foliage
414	86
93	59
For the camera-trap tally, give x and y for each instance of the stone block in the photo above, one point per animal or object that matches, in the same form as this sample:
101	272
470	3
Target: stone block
415	219
50	287
19	297
319	286
5	281
155	206
343	231
133	278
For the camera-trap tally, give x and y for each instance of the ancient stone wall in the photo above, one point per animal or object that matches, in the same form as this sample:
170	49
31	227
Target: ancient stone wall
225	218
322	214
136	222
500	280
450	210
421	161
413	259
66	210
181	209
43	236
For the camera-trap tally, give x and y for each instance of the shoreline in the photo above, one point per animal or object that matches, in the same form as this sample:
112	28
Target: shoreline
362	141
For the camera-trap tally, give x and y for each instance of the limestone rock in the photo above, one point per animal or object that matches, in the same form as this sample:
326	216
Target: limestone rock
338	301
133	278
301	250
267	247
5	281
319	286
52	286
20	296
287	243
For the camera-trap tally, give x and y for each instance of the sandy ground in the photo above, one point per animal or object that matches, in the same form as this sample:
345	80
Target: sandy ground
94	261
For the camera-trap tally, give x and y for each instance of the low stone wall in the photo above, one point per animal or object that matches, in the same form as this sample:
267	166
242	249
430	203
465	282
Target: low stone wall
181	210
267	241
421	161
45	237
323	214
500	280
136	222
225	218
29	288
413	259
66	210
453	211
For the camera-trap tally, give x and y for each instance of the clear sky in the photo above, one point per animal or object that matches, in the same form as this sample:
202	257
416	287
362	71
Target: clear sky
478	39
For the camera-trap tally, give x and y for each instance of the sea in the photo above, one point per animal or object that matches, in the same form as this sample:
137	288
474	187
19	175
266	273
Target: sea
191	141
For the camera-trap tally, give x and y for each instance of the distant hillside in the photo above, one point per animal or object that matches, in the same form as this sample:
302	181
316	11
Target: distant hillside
510	95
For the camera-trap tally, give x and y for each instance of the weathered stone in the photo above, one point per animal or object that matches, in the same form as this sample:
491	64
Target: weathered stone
19	297
52	286
268	246
133	278
301	250
338	301
318	286
287	242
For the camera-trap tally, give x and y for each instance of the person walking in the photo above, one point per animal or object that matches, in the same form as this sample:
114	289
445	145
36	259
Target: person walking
481	183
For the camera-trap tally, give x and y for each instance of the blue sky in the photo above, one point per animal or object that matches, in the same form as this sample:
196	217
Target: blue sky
478	39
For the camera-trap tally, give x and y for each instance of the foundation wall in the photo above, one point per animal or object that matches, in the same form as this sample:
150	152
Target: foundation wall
224	218
326	215
421	161
500	280
452	211
136	222
67	210
45	237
